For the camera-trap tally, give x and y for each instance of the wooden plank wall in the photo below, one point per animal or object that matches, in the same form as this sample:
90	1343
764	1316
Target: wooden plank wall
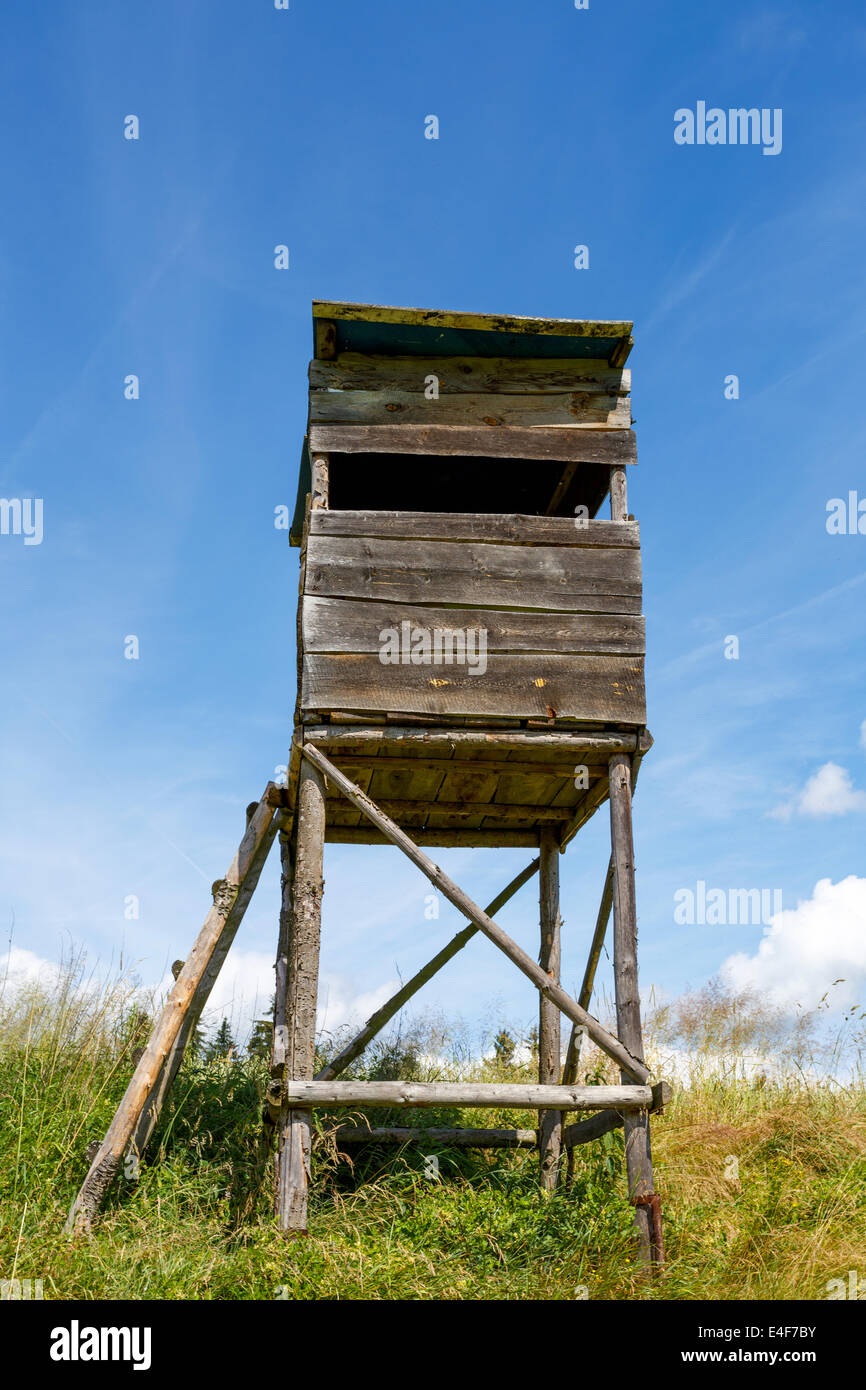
559	604
361	389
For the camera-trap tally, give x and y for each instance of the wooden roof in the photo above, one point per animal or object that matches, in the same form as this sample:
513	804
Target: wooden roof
381	328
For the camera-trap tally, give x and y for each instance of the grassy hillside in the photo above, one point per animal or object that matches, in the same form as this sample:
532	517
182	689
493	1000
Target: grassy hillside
763	1179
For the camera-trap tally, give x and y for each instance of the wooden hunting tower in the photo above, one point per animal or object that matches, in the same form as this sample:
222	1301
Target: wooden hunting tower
471	672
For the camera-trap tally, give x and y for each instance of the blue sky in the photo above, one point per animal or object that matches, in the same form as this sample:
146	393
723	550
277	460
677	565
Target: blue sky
260	127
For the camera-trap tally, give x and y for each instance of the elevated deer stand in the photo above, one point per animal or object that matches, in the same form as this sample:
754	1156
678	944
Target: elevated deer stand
470	648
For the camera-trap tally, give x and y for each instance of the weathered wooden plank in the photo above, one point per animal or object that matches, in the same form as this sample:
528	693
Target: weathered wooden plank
351	625
453	318
440	838
505	529
475	575
609	1044
521	376
477	1094
222	919
389	406
478	768
537	742
556	442
605	688
459	811
453	1138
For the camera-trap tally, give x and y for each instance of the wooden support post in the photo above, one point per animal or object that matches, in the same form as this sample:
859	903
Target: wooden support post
638	1155
301	995
524	962
377	1021
618	495
230	900
550	1121
147	1121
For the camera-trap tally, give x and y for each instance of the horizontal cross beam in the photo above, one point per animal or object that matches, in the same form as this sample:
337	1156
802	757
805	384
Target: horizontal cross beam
490	1094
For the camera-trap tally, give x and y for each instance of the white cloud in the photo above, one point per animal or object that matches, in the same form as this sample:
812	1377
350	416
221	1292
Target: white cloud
19	967
863	735
807	949
828	792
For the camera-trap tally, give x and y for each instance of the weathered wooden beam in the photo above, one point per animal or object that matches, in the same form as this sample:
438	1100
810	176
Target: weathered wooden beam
396	406
609	1044
347	626
513	528
592	1128
549	1121
302	988
222	919
470	739
583	1131
147	1120
557	442
437	839
377	1021
469	1095
587	807
339	310
557	770
519	377
637	1135
453	1138
463	810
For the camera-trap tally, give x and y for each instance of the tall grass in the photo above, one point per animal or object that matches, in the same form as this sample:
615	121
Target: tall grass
761	1167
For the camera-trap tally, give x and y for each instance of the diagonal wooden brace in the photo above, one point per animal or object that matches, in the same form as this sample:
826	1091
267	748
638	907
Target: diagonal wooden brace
634	1068
231	896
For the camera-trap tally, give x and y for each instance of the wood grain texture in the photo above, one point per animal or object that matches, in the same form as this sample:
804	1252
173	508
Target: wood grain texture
301	993
638	1153
480	1094
609	689
450	1138
453	318
475	574
495	529
557	442
351	625
538	743
394	406
522	376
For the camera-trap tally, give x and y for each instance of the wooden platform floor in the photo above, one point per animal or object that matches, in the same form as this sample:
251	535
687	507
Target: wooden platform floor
494	795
